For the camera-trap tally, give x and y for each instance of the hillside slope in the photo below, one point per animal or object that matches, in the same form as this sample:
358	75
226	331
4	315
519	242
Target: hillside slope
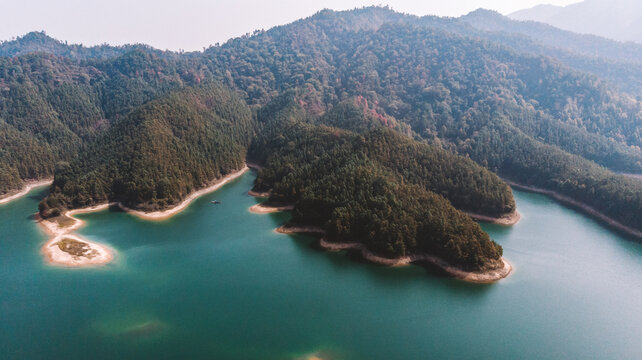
378	188
159	153
526	117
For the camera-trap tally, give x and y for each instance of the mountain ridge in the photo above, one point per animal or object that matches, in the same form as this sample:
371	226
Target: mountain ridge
441	82
614	19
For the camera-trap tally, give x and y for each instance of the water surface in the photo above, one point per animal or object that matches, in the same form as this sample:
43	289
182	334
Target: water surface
216	282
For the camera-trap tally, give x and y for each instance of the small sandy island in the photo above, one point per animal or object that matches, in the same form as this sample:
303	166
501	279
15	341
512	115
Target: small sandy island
66	249
505	220
73	251
29	185
484	277
162	215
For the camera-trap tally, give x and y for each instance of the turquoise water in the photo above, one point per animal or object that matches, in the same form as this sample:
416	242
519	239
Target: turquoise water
216	282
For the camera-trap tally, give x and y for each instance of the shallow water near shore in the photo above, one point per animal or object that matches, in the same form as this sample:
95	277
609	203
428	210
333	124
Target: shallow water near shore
216	281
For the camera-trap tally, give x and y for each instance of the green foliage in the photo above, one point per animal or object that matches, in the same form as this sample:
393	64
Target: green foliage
474	93
9	179
526	161
378	188
159	153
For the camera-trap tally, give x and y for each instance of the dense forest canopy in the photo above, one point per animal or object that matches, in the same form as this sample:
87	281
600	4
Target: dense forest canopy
159	153
465	184
379	188
526	107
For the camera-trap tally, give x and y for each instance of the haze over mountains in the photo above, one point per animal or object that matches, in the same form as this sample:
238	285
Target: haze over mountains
614	19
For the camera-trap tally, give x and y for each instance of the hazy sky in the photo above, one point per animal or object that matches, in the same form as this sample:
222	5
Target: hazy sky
194	24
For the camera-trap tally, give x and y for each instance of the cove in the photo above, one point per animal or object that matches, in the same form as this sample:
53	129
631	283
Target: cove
216	282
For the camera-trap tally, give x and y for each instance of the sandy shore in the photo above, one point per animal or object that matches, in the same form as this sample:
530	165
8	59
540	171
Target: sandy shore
576	204
162	215
506	220
300	229
262	208
264	194
475	277
254	166
95	254
29	185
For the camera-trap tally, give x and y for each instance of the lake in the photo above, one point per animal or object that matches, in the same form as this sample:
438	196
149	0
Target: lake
216	282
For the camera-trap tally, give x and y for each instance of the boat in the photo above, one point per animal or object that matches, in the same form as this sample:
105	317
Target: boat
216	202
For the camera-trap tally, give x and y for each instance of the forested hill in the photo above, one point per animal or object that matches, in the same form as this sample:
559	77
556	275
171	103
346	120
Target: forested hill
51	107
529	118
436	81
158	153
378	188
284	136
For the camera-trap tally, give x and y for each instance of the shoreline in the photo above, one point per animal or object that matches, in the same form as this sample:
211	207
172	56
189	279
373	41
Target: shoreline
165	214
565	200
97	254
254	166
29	185
100	254
265	194
262	208
504	220
485	277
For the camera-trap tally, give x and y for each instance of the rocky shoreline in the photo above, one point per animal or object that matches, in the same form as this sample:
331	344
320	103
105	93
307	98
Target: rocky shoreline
483	277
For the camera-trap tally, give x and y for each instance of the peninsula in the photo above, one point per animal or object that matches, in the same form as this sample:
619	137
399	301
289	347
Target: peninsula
378	192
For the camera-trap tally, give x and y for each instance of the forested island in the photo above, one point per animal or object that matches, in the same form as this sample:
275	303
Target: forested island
378	127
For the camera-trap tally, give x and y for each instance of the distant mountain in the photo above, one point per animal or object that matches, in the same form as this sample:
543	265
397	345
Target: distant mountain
619	63
615	19
588	45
